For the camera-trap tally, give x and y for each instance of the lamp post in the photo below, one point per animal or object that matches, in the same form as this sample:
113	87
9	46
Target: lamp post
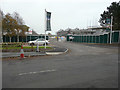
1	33
111	30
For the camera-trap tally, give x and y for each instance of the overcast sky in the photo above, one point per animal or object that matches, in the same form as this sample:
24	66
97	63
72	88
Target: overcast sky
65	13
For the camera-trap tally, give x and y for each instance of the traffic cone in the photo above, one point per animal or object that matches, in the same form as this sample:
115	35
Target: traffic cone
21	52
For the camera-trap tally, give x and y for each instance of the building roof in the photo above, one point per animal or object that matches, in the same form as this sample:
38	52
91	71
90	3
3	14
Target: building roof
33	33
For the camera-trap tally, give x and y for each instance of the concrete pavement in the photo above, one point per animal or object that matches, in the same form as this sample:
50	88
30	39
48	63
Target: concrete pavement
83	67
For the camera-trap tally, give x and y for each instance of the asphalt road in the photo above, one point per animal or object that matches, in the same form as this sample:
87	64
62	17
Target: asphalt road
82	67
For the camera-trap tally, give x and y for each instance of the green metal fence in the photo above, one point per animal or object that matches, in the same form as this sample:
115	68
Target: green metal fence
105	38
22	39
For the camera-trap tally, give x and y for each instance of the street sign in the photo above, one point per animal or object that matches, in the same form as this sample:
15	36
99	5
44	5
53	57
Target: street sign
108	26
108	21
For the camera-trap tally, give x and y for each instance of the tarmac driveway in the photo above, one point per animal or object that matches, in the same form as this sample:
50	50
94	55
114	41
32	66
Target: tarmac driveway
82	67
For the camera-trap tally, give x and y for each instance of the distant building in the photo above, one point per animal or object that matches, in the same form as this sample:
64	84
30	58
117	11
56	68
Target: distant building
77	31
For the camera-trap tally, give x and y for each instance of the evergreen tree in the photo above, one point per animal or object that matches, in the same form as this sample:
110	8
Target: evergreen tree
112	10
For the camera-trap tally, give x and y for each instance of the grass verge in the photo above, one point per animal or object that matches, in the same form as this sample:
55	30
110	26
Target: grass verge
25	47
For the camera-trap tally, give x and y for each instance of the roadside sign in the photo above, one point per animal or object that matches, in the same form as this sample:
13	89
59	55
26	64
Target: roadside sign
108	22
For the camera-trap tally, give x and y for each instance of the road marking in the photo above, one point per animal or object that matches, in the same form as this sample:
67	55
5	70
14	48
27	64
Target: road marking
108	53
53	70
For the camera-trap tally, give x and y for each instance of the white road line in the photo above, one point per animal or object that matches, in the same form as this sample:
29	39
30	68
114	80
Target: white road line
53	70
108	53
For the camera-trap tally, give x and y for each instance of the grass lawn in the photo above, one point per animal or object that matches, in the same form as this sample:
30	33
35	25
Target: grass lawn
25	47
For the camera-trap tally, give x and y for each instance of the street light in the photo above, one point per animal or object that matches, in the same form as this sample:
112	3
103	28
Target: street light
111	30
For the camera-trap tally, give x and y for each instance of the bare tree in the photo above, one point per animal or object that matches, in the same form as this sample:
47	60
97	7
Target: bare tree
20	22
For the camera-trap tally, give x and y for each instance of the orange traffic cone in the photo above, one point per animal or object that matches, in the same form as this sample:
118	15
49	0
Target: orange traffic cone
21	52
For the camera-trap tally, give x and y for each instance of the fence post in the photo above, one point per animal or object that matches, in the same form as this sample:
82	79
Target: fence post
95	38
119	38
108	38
92	38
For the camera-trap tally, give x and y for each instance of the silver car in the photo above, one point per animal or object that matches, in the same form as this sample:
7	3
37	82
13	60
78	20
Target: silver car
40	41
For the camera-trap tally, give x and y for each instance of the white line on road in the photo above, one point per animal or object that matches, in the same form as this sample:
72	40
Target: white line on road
53	70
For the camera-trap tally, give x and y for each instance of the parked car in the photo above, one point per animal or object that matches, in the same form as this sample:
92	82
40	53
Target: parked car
40	41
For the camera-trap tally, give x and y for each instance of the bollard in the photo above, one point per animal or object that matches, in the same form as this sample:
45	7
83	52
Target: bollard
37	48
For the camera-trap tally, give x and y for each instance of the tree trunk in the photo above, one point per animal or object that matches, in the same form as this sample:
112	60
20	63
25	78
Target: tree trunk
17	38
5	38
10	39
26	39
